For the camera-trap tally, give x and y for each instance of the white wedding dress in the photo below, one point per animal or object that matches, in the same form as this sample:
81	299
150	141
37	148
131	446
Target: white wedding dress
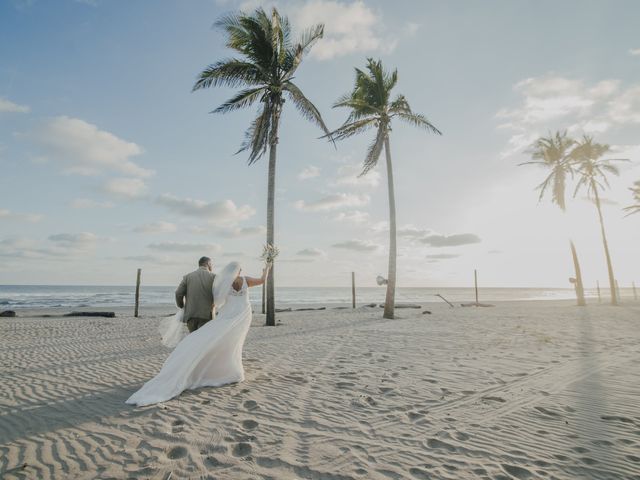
209	357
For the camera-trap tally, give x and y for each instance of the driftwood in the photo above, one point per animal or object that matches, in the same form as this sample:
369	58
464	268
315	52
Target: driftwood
278	310
371	305
403	305
426	312
90	314
8	313
450	304
309	309
476	304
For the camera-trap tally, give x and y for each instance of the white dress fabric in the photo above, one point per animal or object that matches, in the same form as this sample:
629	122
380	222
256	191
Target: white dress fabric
209	357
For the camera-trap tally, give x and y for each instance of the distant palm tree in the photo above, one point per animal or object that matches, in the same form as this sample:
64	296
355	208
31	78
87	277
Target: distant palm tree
592	171
371	107
635	190
554	153
268	60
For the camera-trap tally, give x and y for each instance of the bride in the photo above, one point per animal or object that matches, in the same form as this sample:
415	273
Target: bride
212	355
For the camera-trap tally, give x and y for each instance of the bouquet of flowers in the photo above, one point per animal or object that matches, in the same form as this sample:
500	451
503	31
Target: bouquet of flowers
269	253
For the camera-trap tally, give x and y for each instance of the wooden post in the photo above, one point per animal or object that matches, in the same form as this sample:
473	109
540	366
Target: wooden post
618	291
635	293
353	289
598	285
475	280
135	313
264	291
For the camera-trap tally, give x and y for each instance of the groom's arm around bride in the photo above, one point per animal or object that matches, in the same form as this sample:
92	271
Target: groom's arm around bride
195	295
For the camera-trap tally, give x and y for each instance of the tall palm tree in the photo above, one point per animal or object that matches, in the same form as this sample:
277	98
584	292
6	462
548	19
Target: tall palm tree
554	154
592	171
267	60
371	106
635	190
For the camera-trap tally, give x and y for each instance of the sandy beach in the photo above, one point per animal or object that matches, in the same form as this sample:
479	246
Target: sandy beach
520	390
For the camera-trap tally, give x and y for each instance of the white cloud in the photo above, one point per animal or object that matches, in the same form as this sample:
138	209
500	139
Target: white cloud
554	102
228	232
223	211
409	231
87	150
634	51
88	203
358	245
350	27
311	252
126	187
309	172
350	175
7	106
185	247
156	227
25	217
454	240
74	241
441	256
333	202
626	107
355	216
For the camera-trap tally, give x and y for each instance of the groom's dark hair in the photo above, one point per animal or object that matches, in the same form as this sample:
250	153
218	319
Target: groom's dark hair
203	261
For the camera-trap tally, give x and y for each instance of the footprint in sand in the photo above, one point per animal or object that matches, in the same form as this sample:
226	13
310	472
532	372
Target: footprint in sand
463	437
516	471
438	444
250	424
615	418
177	426
419	474
251	405
242	449
494	399
344	385
176	453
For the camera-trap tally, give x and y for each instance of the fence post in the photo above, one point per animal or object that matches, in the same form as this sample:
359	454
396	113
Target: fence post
135	313
353	289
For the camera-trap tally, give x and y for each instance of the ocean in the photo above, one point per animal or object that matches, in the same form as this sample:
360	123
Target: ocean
54	296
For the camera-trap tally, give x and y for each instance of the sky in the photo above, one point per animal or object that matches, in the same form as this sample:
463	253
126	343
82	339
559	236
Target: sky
109	163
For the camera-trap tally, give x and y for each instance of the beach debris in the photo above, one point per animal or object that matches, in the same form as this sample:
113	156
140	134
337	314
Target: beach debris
8	313
283	310
91	314
475	304
403	305
309	309
450	304
426	312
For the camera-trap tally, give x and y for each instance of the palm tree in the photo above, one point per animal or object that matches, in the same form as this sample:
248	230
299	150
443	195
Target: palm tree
268	59
554	153
371	106
635	190
592	172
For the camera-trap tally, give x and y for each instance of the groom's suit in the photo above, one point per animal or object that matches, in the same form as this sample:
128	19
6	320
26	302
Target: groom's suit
195	295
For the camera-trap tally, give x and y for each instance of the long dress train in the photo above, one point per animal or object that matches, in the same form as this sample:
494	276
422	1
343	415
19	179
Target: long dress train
209	357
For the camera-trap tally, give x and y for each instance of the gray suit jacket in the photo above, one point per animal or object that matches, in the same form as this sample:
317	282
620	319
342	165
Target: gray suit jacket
195	294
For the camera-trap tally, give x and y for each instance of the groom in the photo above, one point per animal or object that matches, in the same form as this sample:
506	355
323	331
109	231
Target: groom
195	295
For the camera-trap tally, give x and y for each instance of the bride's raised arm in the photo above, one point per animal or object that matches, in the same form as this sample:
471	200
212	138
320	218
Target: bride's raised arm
253	282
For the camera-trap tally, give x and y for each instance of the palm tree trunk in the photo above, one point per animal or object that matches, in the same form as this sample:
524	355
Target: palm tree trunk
579	284
271	190
612	280
390	300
